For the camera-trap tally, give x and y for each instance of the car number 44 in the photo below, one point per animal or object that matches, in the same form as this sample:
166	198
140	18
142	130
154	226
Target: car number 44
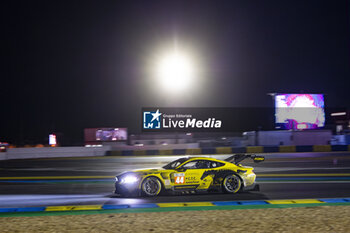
179	180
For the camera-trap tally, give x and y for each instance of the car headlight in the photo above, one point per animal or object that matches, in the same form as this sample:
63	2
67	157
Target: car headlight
129	179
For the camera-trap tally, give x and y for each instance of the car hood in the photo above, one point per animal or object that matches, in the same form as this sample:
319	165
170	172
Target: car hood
148	170
143	171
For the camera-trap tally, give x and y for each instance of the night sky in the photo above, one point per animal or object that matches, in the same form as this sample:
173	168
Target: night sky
70	65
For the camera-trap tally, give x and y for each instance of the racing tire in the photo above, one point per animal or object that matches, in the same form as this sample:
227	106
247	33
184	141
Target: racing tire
231	183
151	186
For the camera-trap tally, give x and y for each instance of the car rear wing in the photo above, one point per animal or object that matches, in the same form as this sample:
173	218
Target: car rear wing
237	158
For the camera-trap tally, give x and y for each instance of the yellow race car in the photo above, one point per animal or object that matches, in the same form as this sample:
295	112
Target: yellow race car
190	175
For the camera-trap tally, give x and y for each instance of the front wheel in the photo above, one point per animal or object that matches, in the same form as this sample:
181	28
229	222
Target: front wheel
232	183
151	186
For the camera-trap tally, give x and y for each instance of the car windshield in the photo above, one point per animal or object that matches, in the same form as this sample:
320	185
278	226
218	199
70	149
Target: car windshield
175	164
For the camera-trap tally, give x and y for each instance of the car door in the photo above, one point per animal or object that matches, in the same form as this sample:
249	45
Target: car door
189	175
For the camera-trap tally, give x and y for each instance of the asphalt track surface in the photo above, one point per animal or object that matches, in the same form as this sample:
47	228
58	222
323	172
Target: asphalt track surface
89	181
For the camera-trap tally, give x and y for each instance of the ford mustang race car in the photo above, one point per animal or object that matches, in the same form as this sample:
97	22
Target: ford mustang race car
190	175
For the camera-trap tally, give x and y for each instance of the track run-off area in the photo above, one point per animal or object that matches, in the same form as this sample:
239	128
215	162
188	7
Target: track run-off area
86	184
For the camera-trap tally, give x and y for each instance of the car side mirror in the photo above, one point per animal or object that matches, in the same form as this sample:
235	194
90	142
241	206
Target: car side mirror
258	159
181	169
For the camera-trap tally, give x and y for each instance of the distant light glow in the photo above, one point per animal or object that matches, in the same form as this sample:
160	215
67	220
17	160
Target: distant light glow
52	140
98	145
175	72
302	126
338	114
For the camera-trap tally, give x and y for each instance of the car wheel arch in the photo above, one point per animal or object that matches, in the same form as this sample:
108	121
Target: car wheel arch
223	174
241	183
155	176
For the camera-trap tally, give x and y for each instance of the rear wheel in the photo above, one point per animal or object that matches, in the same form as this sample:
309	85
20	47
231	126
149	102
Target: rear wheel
151	186
232	183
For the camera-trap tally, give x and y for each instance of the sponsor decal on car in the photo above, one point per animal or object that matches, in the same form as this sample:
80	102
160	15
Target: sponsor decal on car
167	182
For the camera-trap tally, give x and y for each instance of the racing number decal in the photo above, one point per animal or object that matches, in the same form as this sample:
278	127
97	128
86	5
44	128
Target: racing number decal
179	178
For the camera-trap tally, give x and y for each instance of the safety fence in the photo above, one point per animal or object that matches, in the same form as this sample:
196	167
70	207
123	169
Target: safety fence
231	150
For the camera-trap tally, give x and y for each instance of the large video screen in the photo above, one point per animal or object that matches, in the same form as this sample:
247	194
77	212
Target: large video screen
299	111
111	134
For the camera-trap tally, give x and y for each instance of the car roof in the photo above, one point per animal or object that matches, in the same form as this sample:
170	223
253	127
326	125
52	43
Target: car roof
204	158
